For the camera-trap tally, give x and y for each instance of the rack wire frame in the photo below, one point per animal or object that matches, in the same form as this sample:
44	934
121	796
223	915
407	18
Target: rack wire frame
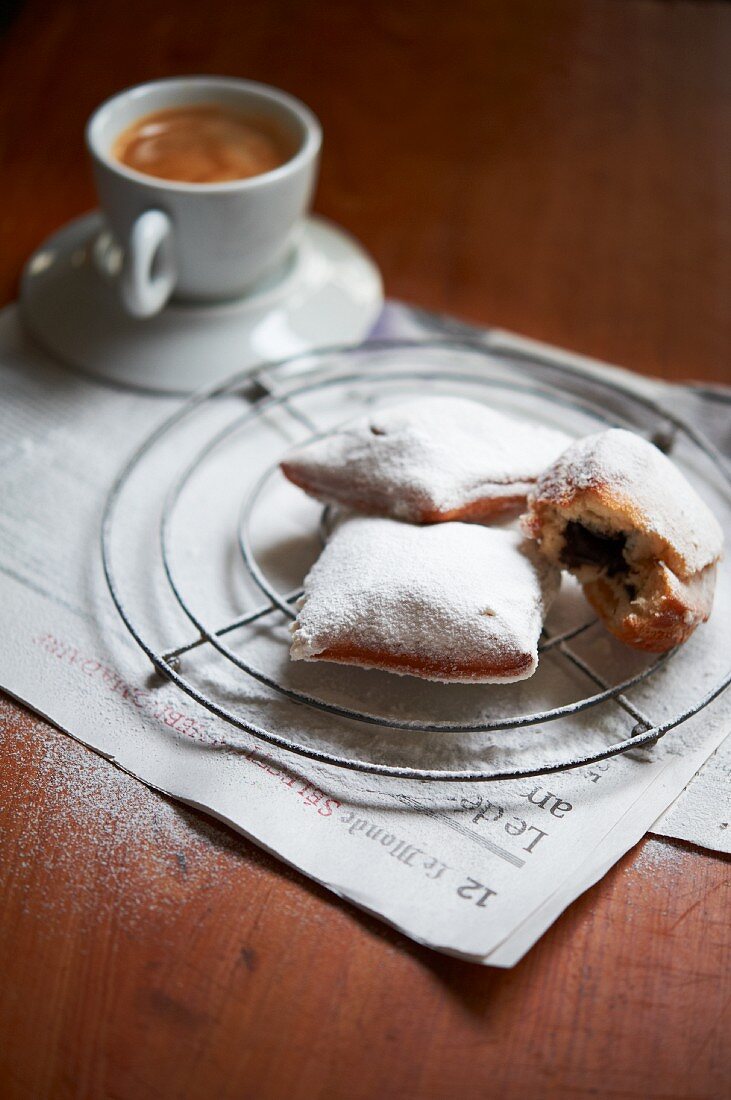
263	395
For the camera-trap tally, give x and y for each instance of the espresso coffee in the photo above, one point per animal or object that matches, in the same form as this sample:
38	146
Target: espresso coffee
201	144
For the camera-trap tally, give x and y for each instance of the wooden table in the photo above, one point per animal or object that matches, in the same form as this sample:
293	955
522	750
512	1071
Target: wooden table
561	169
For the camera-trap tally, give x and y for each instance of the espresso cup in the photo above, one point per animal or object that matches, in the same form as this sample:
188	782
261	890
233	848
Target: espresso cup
202	242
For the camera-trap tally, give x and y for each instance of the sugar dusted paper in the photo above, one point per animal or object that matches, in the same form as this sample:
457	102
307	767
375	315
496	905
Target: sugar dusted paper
478	871
702	813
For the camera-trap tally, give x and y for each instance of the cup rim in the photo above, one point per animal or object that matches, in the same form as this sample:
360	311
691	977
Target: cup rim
307	151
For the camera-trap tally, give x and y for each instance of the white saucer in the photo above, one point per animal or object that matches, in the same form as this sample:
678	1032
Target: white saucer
328	292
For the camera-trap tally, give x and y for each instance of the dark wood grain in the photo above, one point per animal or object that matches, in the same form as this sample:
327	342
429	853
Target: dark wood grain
562	169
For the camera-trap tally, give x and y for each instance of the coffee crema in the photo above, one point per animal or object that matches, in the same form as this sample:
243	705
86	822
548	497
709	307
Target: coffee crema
201	144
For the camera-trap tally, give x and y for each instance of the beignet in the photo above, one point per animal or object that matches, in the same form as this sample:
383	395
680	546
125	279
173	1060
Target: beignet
451	602
619	515
431	460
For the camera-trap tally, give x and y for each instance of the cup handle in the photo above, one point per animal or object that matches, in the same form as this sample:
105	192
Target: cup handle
148	270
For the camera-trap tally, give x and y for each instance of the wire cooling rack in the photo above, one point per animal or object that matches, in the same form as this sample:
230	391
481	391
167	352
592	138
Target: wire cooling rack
292	389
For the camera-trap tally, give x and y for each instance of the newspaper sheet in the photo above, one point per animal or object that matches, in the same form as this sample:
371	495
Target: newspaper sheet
475	870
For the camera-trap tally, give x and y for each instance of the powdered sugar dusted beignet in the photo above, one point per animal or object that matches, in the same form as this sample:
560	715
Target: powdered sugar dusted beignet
431	460
620	516
450	602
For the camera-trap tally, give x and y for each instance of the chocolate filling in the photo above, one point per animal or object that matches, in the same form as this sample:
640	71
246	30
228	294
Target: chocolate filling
585	547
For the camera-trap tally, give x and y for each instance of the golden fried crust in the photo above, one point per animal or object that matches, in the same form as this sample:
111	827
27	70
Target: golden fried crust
666	620
512	667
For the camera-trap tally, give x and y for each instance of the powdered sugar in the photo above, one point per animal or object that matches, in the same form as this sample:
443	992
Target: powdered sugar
434	455
635	477
450	602
140	848
654	858
702	813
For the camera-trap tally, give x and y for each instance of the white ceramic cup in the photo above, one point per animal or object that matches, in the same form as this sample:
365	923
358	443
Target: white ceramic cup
201	241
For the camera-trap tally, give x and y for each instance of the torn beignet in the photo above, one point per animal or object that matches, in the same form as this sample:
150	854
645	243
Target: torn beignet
619	515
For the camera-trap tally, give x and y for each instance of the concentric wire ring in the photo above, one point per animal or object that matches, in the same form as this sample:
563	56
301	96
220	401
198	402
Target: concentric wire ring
282	604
